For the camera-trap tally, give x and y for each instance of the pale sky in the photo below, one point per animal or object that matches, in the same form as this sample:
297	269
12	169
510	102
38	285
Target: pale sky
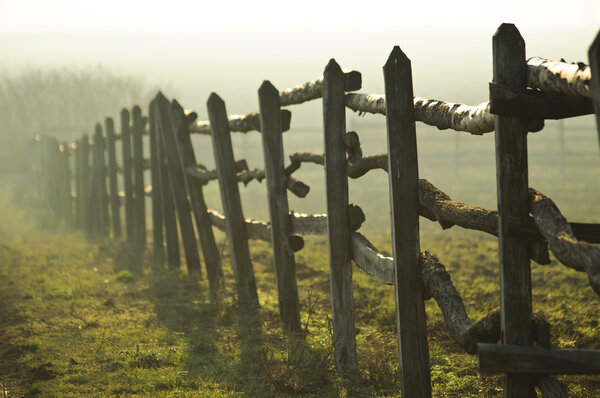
194	47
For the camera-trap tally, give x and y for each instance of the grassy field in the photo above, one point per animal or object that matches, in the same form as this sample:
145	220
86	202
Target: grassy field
82	317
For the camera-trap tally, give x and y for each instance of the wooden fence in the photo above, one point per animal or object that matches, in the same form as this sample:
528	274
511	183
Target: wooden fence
527	223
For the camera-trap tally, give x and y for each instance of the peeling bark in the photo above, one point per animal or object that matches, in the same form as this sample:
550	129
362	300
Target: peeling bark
559	77
443	115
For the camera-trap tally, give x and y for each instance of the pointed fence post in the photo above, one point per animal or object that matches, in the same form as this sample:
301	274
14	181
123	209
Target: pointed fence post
510	70
115	202
403	172
138	180
338	218
169	218
77	202
127	175
203	225
102	198
176	178
281	228
232	205
158	247
594	57
84	201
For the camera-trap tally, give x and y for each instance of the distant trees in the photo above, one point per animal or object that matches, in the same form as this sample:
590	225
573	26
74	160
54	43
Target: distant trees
63	102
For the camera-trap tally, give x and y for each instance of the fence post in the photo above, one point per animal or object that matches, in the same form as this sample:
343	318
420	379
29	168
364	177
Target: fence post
84	201
77	204
281	229
103	221
166	197
55	180
199	208
67	196
403	172
115	202
594	57
176	178
338	218
138	180
232	205
158	248
127	176
510	70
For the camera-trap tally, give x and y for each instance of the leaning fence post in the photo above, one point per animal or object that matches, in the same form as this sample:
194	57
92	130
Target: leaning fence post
103	225
281	228
176	178
403	172
84	201
138	180
510	70
158	248
115	202
203	225
232	205
338	217
127	176
169	218
594	57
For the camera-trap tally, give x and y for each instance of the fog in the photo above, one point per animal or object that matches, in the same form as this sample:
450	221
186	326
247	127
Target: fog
190	49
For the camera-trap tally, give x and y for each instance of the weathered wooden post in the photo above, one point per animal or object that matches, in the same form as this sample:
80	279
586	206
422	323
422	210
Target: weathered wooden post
338	218
199	208
169	218
178	191
77	203
158	247
103	225
54	182
510	70
138	180
594	57
232	205
127	175
281	228
67	201
115	202
84	201
403	172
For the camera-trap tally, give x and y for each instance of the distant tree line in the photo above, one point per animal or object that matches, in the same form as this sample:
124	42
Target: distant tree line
62	102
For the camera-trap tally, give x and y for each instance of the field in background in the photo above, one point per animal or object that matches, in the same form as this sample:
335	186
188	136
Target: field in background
87	318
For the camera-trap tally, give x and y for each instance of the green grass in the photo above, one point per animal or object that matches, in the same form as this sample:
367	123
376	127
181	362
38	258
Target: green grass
85	317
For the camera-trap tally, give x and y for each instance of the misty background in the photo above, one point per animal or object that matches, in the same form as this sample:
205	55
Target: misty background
67	64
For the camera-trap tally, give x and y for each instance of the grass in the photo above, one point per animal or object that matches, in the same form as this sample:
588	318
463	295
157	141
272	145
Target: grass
85	317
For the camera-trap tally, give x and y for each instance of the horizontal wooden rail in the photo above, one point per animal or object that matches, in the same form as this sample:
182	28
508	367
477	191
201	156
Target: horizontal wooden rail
203	177
502	358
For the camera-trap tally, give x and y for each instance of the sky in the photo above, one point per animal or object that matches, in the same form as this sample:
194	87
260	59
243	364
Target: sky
190	48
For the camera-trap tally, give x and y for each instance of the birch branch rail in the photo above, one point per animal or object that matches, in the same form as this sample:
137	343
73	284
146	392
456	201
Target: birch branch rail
241	123
559	77
563	243
314	89
476	119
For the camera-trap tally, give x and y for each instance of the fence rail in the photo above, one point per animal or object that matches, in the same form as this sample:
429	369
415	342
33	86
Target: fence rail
527	223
